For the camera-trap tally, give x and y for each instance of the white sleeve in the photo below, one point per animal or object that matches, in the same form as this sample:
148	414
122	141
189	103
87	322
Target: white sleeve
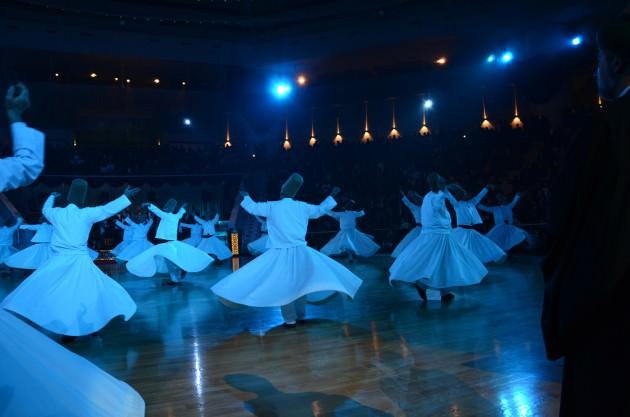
47	209
100	213
359	213
514	201
153	209
316	211
485	208
477	199
199	220
27	161
257	209
411	206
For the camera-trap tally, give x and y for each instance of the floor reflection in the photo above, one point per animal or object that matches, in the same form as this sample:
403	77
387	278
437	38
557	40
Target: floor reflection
270	402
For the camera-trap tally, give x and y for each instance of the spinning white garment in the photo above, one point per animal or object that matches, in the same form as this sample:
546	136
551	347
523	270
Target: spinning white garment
289	269
436	259
504	234
349	238
27	161
127	232
210	243
507	236
68	294
467	216
415	232
483	248
259	245
39	378
6	241
138	242
39	252
195	233
184	256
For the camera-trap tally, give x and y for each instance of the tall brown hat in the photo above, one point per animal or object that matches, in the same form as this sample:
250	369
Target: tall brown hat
291	186
78	192
170	205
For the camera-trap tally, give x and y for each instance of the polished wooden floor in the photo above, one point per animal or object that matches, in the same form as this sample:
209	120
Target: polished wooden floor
383	354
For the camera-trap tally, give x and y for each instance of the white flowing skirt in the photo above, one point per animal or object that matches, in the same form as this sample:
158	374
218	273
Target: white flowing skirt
350	240
438	261
30	258
214	246
193	240
135	248
259	245
409	237
120	247
281	276
5	252
70	295
483	248
40	378
152	260
506	236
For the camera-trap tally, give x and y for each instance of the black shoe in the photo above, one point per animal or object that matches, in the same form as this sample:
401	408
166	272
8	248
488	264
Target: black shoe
182	275
301	321
289	325
421	292
447	298
68	339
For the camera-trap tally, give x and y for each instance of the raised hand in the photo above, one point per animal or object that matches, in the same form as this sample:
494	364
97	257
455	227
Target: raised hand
55	194
335	191
243	193
131	192
16	102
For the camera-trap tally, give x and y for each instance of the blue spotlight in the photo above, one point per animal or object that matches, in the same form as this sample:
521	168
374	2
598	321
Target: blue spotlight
187	121
491	58
428	104
281	90
507	57
576	41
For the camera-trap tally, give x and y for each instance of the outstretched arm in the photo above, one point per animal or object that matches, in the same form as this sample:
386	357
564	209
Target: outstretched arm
487	209
49	205
515	200
257	209
325	207
477	199
411	206
199	220
97	214
122	225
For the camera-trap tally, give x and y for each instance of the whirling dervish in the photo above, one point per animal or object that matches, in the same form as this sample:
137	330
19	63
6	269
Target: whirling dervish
258	246
435	259
349	240
504	233
289	270
413	202
171	256
32	365
36	254
196	230
467	217
211	244
138	242
68	294
7	232
126	237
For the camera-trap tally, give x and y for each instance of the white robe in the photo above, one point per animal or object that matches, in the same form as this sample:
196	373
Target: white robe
153	260
68	294
6	241
126	236
413	233
138	241
38	377
349	238
504	233
39	252
258	246
195	233
435	259
289	269
467	216
209	242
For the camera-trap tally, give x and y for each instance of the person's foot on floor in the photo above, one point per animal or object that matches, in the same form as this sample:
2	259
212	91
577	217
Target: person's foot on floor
421	292
301	321
289	325
447	298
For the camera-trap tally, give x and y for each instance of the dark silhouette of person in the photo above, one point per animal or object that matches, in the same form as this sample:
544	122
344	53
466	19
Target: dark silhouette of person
586	314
